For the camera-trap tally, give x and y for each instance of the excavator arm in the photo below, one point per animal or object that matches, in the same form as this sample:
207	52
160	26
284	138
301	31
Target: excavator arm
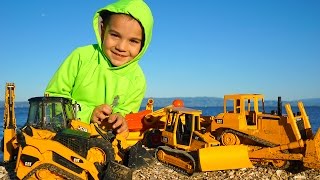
10	125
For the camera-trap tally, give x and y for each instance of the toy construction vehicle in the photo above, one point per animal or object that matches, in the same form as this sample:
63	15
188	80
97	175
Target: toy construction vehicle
272	137
146	125
188	148
53	144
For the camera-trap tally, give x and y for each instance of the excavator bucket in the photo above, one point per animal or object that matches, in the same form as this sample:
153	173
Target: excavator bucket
137	157
224	158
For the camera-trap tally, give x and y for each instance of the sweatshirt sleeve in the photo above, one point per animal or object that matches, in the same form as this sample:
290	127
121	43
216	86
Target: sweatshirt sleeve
63	81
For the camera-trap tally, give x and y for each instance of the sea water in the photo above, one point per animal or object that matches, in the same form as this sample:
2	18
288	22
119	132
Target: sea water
313	112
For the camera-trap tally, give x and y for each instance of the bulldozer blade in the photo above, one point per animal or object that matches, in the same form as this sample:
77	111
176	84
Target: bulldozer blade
116	171
224	158
138	156
312	154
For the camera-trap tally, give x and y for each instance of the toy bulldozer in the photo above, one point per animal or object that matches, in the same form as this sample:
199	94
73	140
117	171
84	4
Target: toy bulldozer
273	138
189	148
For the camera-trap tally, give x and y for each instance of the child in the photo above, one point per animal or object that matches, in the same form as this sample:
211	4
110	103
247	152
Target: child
105	78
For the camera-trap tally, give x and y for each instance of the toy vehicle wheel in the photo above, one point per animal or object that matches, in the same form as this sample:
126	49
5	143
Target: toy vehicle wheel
228	138
281	164
160	155
100	152
152	138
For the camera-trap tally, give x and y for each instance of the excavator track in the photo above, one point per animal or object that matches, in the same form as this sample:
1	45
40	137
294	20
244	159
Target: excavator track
176	159
54	169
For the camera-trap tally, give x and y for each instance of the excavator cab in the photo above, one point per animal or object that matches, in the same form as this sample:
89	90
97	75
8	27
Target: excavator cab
52	113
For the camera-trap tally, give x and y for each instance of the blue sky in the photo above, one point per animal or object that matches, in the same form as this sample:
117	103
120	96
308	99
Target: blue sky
199	48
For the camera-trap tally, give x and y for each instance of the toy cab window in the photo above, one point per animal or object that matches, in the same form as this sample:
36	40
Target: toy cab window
35	113
171	121
188	122
53	112
249	105
229	106
261	105
70	112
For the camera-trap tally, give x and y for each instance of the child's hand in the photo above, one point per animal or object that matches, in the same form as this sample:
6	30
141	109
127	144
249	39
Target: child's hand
118	122
100	113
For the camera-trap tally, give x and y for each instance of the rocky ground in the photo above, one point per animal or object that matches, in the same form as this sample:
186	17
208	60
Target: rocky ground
159	171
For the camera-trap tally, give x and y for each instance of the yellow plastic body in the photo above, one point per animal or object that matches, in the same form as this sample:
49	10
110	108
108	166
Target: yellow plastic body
134	137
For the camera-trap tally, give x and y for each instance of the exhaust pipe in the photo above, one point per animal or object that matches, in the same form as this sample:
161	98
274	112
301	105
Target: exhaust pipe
279	106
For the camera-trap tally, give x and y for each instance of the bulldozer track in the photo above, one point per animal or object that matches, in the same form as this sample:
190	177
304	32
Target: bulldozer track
54	169
255	139
176	153
179	170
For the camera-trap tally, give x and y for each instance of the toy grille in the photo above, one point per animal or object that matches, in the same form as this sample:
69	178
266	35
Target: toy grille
78	144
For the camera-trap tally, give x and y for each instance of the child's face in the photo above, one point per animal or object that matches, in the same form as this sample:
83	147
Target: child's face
122	39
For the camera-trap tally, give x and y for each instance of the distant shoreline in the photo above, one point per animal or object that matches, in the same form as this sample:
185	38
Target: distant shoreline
198	102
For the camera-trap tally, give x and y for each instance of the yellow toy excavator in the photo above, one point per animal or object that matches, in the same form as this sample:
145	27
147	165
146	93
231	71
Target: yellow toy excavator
53	144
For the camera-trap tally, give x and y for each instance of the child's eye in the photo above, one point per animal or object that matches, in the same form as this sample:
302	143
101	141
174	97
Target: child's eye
114	35
135	41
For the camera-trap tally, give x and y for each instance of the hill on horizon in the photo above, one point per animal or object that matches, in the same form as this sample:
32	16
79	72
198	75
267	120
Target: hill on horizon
197	102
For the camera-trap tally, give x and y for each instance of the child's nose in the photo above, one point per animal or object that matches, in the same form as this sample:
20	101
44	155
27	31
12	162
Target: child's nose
121	45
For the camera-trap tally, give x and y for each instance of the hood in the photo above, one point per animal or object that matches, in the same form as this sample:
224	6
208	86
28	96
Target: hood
136	8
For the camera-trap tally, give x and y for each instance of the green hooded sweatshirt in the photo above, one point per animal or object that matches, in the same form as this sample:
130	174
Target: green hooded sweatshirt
87	76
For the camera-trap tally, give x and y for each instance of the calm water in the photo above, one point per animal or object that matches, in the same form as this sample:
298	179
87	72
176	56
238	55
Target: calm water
313	113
